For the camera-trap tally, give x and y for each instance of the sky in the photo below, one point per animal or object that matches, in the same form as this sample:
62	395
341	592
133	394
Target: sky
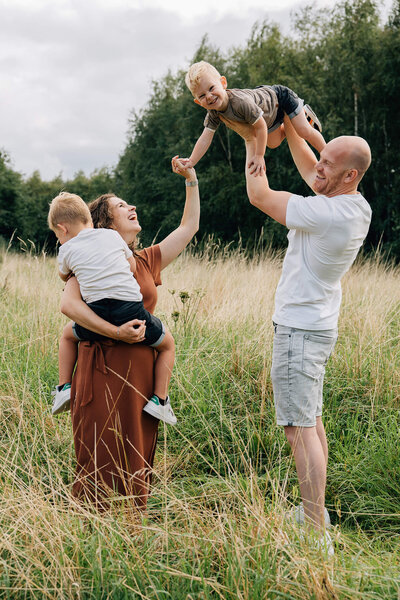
72	71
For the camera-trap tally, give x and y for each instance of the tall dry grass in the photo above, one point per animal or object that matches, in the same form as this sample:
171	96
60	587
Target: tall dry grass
224	478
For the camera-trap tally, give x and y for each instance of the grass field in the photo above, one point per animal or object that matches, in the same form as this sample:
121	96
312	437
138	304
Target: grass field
223	477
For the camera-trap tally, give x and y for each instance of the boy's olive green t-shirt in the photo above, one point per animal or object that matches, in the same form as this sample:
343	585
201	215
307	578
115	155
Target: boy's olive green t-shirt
246	106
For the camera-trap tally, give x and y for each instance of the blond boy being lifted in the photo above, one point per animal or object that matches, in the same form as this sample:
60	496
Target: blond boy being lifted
263	107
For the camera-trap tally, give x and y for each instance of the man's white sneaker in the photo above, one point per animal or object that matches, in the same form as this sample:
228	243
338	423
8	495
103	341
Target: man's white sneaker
325	544
163	412
297	513
322	542
62	399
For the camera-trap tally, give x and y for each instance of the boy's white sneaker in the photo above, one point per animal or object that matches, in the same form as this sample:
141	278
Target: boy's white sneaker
62	399
163	412
312	118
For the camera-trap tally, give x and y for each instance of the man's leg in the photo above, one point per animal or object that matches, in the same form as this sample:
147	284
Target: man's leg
322	437
310	458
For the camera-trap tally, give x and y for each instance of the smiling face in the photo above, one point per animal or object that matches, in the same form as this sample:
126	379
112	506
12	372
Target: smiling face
334	176
210	92
124	219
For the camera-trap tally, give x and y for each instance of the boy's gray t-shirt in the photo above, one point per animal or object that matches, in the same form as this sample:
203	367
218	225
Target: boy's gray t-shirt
246	106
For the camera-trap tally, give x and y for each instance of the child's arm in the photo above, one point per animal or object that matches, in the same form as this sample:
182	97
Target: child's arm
200	148
132	263
257	163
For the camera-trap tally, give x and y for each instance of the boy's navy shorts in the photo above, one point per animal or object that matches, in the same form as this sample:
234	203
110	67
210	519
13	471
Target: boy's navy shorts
288	103
119	312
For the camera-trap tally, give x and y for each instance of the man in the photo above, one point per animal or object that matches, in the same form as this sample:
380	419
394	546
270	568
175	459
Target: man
326	232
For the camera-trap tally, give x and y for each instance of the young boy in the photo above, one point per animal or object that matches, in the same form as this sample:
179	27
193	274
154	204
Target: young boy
264	108
103	265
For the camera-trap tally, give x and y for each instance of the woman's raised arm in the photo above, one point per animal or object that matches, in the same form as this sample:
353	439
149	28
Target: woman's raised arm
178	239
76	309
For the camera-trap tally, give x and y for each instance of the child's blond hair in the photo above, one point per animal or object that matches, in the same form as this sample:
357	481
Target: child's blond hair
196	71
68	208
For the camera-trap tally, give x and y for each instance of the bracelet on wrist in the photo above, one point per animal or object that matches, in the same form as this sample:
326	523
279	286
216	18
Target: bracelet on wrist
191	183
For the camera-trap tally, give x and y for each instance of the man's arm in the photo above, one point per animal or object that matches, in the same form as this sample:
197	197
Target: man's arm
304	158
201	147
272	203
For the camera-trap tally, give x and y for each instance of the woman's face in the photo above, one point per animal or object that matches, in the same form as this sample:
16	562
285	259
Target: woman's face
125	219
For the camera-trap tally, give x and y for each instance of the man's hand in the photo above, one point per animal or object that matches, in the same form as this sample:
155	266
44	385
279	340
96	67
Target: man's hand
257	165
132	332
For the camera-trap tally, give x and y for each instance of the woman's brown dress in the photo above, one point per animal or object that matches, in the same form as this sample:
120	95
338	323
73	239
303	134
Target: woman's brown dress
114	440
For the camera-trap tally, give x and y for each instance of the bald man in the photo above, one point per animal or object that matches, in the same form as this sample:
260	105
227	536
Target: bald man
326	232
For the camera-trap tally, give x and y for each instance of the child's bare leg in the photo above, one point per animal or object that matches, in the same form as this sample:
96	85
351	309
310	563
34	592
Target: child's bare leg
276	137
308	133
67	353
164	365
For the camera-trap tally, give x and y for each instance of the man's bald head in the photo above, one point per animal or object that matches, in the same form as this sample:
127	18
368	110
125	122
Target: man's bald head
341	166
354	153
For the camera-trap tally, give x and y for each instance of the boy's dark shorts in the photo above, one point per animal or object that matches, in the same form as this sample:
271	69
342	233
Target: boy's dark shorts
119	312
288	103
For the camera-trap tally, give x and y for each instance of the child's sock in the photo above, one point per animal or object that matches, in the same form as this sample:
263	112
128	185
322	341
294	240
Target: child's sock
162	401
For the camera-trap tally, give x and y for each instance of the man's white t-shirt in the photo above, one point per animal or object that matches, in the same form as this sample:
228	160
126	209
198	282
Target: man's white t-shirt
324	239
98	259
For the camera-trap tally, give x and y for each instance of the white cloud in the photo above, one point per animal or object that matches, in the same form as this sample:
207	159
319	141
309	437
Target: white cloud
71	71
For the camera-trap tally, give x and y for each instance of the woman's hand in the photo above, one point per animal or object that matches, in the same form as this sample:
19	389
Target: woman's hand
132	332
182	166
177	240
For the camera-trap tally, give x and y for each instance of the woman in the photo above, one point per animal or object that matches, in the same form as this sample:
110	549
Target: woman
114	439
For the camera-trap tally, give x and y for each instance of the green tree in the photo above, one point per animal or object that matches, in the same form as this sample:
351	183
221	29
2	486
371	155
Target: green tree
100	181
10	197
342	61
32	211
387	128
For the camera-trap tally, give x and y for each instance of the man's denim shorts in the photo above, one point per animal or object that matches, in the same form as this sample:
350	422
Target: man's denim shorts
298	368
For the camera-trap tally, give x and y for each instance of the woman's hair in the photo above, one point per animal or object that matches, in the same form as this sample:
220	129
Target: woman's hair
196	71
101	212
68	208
102	215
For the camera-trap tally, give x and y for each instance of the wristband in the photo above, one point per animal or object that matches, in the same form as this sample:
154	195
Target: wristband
191	183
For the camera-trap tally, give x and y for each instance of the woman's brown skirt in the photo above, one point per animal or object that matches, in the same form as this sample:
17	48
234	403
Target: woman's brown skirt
114	440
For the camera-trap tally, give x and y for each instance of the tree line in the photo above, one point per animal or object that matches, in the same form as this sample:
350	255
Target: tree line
344	62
